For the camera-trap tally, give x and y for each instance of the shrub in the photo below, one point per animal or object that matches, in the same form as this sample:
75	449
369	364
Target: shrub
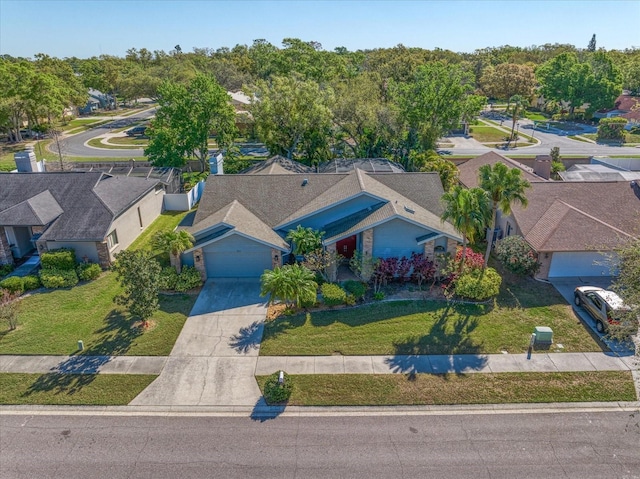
274	392
517	256
31	282
350	300
378	296
332	294
355	288
188	279
422	268
58	278
14	285
59	259
5	269
168	278
476	285
88	271
612	129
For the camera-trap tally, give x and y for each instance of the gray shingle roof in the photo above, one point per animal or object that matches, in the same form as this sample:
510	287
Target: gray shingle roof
88	201
38	210
277	200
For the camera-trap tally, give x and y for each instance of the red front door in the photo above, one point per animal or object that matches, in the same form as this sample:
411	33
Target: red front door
347	246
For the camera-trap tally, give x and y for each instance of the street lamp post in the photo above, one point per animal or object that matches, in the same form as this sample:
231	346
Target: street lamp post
516	138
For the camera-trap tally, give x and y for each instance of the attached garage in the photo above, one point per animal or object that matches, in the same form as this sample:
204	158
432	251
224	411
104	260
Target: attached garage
236	257
579	263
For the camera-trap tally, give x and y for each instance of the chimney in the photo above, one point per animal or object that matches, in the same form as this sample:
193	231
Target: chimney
26	161
542	166
216	164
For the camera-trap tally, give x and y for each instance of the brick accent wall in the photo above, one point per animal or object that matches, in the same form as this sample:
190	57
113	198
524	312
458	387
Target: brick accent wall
5	252
276	258
367	252
104	259
429	247
452	245
198	263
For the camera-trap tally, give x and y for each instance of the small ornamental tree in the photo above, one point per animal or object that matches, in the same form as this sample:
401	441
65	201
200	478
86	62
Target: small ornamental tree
139	275
517	255
611	129
9	308
174	243
325	263
292	284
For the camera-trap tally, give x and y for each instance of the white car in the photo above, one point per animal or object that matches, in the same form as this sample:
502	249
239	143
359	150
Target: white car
600	304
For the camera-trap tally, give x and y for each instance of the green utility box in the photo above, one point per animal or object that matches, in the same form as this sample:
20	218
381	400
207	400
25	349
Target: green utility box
544	335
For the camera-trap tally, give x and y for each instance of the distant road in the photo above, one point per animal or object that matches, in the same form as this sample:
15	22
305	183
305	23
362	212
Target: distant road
581	445
75	145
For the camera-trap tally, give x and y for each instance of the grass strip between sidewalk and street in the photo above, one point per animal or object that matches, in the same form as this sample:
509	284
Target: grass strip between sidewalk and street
72	389
444	389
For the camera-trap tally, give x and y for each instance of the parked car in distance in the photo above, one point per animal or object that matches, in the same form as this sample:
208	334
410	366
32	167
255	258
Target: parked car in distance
136	131
600	304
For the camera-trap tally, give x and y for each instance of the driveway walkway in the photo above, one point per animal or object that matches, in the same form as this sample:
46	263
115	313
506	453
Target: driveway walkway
214	359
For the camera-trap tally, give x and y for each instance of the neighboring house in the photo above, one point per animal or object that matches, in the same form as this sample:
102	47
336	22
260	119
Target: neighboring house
625	106
96	214
573	226
468	176
97	100
279	165
242	220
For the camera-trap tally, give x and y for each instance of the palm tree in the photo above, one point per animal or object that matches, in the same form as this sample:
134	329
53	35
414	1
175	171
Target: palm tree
174	243
290	283
519	104
306	240
469	211
504	186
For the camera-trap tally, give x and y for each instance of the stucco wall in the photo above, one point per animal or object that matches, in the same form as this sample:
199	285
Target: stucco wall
83	249
396	238
127	225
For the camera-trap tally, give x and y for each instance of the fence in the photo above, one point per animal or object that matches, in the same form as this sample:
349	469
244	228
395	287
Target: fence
184	201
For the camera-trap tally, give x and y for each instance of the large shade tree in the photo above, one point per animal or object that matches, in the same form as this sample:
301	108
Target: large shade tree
187	116
469	211
505	187
434	101
292	117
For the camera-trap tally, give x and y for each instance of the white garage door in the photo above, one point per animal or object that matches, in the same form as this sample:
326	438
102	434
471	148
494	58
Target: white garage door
579	264
236	257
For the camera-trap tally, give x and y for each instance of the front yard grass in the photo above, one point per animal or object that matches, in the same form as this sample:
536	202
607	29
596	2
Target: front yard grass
52	322
487	134
432	327
72	389
442	389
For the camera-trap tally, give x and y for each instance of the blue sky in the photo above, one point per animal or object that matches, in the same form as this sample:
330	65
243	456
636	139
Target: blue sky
93	27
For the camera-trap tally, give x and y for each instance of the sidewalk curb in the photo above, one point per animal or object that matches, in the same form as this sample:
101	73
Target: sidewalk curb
256	412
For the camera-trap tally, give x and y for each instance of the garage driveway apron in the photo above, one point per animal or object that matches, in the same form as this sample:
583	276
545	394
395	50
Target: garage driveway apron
214	358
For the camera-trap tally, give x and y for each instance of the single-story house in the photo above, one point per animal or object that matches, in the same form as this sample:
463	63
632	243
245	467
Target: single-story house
625	106
573	226
96	214
242	220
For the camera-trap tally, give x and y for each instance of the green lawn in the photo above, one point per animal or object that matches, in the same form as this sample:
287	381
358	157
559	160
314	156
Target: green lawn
97	143
129	141
535	116
436	389
432	327
487	134
52	322
72	389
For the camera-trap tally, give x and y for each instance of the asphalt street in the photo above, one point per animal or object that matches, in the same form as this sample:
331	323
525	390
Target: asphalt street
75	145
579	445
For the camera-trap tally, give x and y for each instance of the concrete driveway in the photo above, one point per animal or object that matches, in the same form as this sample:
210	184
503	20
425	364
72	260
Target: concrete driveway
214	359
566	286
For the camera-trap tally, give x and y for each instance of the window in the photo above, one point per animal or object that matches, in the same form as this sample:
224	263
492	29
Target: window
112	240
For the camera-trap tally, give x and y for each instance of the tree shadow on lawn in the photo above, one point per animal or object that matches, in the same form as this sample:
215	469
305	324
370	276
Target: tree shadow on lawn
71	375
445	338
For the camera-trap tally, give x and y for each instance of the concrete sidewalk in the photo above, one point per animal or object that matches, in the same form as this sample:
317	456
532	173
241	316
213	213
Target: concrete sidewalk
429	364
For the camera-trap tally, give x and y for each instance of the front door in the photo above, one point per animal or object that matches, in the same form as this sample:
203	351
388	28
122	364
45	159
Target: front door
347	246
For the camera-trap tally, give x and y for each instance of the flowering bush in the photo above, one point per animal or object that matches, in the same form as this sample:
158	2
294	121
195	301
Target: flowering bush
423	268
517	256
472	260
